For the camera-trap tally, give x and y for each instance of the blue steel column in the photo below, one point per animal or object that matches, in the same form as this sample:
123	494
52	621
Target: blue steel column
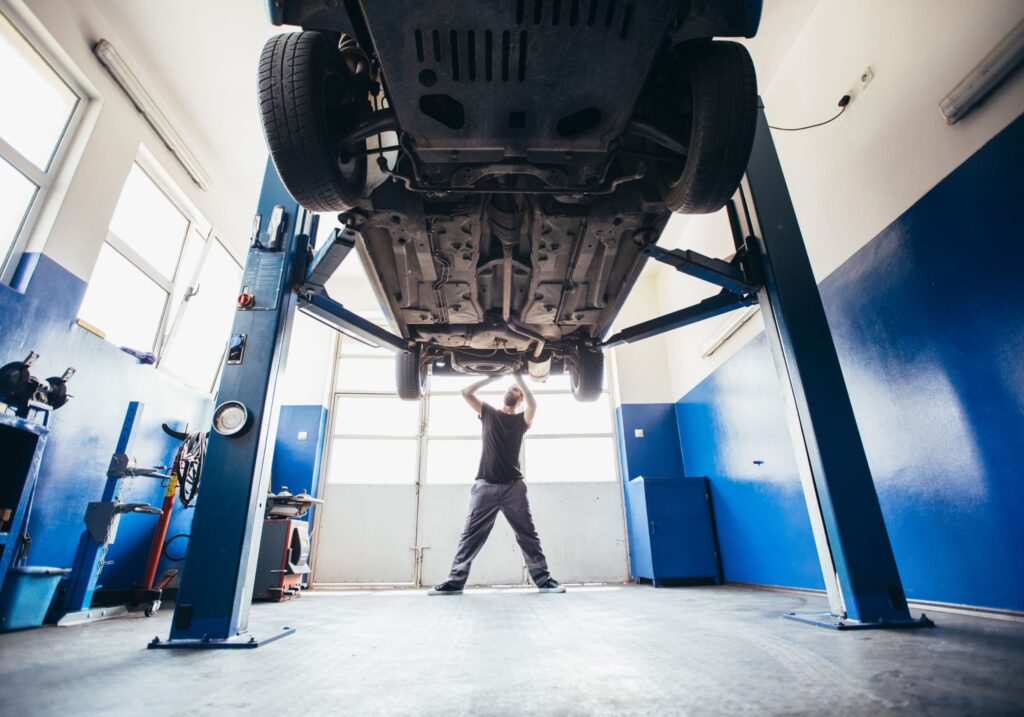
90	555
856	542
217	582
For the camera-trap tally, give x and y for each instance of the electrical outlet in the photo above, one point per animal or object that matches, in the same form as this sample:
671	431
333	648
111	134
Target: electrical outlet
303	436
638	432
866	77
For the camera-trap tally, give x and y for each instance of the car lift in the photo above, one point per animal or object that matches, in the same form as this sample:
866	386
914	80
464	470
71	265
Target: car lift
770	268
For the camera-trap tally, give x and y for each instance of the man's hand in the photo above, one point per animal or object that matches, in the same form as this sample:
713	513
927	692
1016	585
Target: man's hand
469	393
531	402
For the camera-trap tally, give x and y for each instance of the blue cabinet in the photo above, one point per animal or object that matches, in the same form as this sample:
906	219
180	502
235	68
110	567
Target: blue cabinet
672	536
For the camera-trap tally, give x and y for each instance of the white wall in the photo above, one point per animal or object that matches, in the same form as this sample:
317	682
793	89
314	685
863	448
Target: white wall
81	223
640	371
852	178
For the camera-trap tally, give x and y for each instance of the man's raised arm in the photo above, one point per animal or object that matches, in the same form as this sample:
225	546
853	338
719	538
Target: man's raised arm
531	402
469	393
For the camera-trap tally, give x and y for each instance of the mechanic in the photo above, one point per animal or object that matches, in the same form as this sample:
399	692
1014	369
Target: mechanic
499	486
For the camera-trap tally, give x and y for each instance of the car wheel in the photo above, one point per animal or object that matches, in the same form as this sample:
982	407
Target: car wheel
586	375
303	83
411	375
716	117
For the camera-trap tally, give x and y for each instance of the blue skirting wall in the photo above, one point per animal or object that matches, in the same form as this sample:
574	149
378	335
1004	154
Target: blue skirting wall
40	316
297	460
930	333
655	455
84	433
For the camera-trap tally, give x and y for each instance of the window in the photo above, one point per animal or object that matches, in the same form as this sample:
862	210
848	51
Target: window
163	283
375	436
201	314
379	439
37	118
127	297
569	441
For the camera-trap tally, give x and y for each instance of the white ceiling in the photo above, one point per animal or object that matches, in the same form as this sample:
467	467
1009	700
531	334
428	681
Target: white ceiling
200	58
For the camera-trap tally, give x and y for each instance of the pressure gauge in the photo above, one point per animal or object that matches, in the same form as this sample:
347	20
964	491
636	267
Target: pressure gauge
230	418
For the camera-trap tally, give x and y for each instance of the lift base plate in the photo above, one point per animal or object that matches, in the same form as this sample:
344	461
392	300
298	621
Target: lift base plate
91	614
834	622
245	641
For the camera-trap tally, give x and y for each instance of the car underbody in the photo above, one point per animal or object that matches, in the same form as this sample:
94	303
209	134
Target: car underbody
525	155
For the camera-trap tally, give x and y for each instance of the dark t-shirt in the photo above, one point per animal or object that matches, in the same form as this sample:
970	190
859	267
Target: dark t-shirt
502	437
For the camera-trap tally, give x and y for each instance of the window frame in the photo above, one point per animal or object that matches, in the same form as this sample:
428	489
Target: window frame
50	183
167	329
165	339
424	437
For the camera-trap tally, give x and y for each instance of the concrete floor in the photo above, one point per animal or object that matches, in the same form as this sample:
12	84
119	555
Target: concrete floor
612	650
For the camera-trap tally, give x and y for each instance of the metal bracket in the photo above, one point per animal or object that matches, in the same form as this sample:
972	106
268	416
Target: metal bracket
326	260
102	517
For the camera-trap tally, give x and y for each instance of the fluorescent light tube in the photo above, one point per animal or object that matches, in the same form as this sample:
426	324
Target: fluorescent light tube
148	108
994	68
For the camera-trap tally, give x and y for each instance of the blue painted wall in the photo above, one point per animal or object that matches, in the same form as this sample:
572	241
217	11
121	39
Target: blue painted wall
930	333
39	316
654	455
297	462
84	432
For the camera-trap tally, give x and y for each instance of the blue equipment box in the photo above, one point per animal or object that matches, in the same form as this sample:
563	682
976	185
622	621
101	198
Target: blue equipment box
27	594
672	536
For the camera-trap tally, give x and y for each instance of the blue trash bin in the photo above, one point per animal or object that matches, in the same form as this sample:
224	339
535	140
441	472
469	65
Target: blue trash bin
27	594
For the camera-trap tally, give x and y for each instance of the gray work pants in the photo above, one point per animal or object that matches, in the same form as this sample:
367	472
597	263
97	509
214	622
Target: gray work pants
486	499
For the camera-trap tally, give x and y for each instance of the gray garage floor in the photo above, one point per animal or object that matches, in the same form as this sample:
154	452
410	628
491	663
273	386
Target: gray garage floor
611	650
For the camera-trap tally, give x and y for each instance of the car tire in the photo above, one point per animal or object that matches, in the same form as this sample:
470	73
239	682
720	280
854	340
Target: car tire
720	87
298	73
410	375
586	375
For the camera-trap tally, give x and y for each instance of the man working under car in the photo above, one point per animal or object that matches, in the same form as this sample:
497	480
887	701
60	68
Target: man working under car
499	486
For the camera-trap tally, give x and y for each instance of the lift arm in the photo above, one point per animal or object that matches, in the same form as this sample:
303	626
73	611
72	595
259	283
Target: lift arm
728	275
325	309
721	303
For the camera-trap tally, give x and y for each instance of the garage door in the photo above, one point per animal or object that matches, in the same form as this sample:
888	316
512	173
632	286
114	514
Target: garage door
399	474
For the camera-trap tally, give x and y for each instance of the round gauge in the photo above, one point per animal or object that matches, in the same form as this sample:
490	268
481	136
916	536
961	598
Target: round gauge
230	418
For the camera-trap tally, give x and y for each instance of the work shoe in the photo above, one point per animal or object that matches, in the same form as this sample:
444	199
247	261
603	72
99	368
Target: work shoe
445	588
551	586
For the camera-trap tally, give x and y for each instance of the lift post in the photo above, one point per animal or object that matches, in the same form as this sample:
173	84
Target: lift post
771	268
861	577
212	608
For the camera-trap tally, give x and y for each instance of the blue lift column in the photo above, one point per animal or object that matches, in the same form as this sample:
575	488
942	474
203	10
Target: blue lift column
212	607
857	561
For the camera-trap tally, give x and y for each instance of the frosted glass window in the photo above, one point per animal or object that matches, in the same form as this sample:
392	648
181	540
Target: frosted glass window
372	461
452	416
453	461
123	302
375	416
366	374
37	104
197	350
149	223
452	383
561	413
565	460
17	193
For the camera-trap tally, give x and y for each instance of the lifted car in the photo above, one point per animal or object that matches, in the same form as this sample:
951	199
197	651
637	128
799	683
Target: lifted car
538	147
